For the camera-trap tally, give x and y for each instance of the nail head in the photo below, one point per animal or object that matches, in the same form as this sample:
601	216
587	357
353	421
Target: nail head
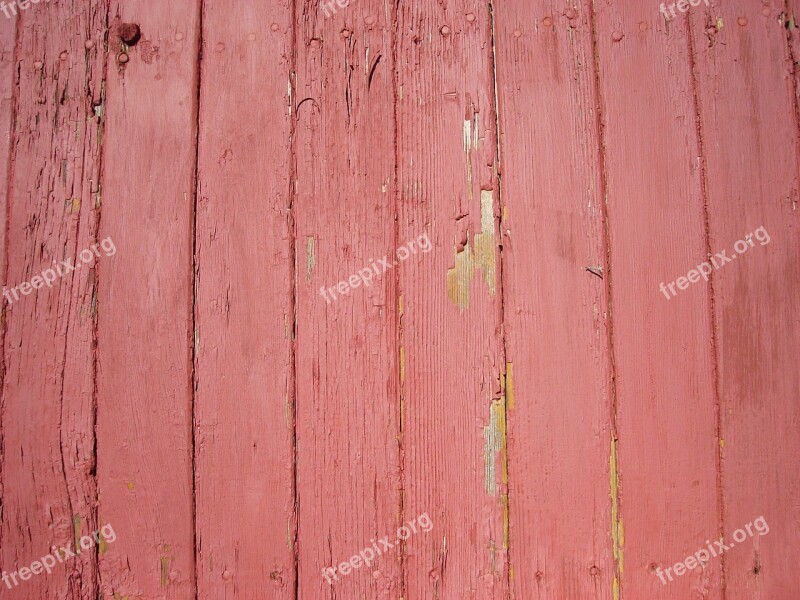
617	36
88	44
571	13
445	30
123	58
129	33
742	21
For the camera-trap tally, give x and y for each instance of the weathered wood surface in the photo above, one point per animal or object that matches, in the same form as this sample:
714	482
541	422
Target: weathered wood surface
396	264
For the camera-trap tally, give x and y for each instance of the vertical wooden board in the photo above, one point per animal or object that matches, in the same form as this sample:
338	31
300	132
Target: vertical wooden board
8	90
144	379
49	492
244	441
746	98
666	453
555	302
347	363
454	418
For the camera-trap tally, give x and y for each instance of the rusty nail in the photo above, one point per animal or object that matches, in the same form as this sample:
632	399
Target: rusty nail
129	33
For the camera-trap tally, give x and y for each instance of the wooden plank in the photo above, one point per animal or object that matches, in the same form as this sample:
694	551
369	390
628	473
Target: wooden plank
144	380
347	363
555	303
8	98
244	311
749	125
49	491
453	398
667	448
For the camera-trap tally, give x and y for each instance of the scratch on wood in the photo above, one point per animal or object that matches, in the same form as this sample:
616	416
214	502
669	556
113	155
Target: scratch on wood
617	532
310	260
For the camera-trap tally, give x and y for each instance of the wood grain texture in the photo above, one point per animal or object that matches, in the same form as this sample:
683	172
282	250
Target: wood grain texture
246	411
454	417
244	442
347	357
49	493
8	91
555	306
746	99
665	396
144	379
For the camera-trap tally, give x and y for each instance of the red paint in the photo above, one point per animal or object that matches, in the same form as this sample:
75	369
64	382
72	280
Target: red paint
567	429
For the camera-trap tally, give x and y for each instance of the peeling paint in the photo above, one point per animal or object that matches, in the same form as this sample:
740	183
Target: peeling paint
482	257
494	436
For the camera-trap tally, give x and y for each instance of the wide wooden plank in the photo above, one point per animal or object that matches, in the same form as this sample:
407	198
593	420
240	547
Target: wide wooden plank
560	435
347	359
48	492
665	402
145	299
454	407
244	269
747	105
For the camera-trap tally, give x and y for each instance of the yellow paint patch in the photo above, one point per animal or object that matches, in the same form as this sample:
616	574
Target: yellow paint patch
164	571
509	386
130	485
482	257
76	204
617	531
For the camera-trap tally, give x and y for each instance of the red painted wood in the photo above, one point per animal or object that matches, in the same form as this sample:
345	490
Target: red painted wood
665	396
347	357
555	307
144	379
243	403
453	398
746	99
49	490
525	383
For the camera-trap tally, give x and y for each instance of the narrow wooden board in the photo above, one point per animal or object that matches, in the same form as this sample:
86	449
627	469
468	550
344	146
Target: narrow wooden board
749	125
560	434
49	492
666	452
244	441
454	417
347	360
144	304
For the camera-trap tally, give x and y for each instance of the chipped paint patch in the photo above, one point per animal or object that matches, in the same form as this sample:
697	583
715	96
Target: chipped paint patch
494	435
76	530
459	278
617	532
310	259
482	257
164	571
